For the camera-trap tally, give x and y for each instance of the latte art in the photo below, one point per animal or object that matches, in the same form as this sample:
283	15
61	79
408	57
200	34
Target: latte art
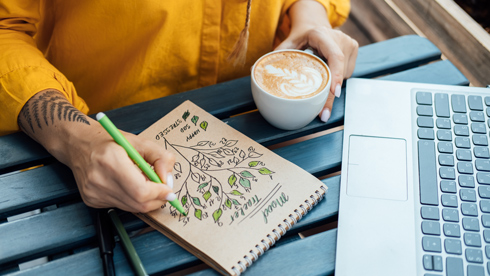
291	75
296	84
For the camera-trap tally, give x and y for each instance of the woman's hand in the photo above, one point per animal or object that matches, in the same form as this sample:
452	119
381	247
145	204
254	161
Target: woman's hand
105	175
310	28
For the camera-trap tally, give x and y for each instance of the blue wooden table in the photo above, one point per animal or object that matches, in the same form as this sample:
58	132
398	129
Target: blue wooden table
64	231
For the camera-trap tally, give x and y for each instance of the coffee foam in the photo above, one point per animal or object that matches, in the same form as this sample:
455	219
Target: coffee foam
291	75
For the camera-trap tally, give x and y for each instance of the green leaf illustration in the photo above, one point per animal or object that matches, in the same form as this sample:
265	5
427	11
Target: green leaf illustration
202	185
228	203
245	183
204	125
232	179
196	201
253	164
206	195
186	114
235	192
235	202
195	119
183	200
246	174
198	214
216	189
265	171
217	214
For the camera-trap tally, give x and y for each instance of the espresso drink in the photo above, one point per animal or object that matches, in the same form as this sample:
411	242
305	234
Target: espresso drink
291	75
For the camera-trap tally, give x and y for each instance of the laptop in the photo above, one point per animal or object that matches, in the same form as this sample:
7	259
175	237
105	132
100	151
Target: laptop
415	185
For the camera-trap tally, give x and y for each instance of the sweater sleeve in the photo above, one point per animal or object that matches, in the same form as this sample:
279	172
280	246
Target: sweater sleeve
24	71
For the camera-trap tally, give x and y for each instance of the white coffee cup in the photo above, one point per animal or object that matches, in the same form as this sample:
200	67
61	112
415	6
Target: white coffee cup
289	114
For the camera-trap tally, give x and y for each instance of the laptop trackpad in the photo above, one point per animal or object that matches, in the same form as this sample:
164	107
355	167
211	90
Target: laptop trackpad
377	168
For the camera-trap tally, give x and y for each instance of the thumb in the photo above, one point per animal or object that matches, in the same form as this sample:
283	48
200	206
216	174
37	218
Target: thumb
287	44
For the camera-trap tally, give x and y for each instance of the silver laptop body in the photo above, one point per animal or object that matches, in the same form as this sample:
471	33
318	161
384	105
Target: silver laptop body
380	220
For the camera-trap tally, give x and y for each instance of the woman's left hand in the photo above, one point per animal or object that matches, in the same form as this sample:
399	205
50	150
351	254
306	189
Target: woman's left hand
310	28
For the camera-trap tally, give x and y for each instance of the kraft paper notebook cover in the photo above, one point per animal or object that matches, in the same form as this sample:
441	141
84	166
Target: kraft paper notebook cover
240	197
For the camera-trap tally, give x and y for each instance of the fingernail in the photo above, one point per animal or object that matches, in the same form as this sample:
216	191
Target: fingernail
338	90
325	115
171	197
170	181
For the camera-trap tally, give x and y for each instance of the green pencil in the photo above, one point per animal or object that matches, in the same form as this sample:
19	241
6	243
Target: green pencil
127	245
134	155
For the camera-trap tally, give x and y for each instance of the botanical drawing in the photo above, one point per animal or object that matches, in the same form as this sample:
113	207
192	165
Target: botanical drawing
217	179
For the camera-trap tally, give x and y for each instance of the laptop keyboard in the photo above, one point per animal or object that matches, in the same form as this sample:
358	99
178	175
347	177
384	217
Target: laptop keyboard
454	177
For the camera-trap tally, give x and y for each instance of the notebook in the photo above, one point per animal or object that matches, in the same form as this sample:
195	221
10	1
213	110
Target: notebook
415	185
240	197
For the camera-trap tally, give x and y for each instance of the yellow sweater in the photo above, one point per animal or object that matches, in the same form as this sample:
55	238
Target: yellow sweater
118	53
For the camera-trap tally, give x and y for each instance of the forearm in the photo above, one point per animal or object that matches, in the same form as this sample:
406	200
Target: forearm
306	14
50	119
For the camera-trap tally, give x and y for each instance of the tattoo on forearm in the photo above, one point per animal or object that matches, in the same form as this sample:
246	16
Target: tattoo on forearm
43	109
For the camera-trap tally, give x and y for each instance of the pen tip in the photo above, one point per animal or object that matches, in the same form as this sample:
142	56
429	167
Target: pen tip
185	214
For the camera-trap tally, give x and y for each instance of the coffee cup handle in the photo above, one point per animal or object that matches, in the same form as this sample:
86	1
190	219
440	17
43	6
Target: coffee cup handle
309	50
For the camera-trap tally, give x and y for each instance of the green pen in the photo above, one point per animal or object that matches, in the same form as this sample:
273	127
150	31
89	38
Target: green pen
134	155
127	245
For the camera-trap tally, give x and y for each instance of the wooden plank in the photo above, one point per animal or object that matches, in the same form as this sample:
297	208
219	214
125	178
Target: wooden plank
374	60
67	227
448	27
442	72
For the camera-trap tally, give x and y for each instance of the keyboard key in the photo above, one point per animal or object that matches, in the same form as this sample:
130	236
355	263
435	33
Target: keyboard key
424	98
425	133
472	239
467	195
462	142
480	140
427	173
474	255
431	244
475	103
463	154
446	147
454	266
437	263
450	214
476	270
441	102
443	123
482	165
460	119
423	110
487	102
448	186
466	181
486	236
449	200
451	230
484	191
461	130
431	228
444	135
485	221
453	246
471	224
478	128
483	178
459	103
481	152
487	251
446	160
485	206
429	212
447	173
477	116
428	264
425	122
488	111
469	209
465	167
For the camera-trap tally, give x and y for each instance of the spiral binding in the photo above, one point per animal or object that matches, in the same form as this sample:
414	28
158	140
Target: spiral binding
276	234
